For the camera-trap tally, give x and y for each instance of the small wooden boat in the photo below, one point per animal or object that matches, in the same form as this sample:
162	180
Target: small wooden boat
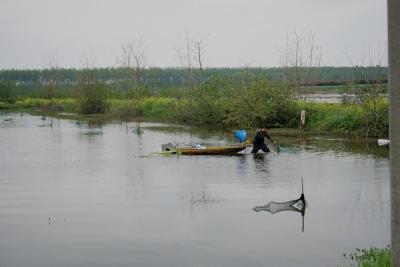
211	150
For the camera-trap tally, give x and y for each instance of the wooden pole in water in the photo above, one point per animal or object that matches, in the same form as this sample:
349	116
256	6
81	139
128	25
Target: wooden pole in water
302	120
394	124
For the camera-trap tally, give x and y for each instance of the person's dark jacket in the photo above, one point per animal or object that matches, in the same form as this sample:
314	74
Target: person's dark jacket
259	138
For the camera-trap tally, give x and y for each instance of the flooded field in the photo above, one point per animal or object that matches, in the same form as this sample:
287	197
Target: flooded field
79	194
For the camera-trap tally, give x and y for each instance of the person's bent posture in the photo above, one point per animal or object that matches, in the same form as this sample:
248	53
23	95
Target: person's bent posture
258	141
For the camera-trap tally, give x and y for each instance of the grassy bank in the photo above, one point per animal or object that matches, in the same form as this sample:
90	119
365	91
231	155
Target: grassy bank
339	119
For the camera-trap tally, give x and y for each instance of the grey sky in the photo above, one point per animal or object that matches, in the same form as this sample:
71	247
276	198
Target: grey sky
236	32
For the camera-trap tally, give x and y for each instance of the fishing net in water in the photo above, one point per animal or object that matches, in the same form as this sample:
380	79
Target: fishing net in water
275	207
297	205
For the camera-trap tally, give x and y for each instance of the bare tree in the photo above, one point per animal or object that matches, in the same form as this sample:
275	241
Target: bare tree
191	58
87	77
133	61
300	59
50	79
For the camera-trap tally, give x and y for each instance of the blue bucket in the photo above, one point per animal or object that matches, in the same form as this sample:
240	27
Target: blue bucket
240	135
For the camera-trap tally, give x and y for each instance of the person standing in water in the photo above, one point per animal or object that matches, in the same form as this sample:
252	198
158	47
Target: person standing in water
258	141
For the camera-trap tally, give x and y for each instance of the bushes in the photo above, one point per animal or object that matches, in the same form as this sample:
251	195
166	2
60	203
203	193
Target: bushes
262	103
224	103
91	97
344	119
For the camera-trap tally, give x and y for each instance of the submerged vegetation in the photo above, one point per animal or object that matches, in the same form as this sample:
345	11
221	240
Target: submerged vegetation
243	100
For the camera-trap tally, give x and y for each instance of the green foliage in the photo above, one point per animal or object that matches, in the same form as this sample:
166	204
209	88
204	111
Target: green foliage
373	257
262	103
161	78
47	92
91	97
5	105
212	101
345	119
243	100
66	104
123	107
164	108
7	91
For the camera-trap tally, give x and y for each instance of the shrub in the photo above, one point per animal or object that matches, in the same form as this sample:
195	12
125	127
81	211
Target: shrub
262	103
91	97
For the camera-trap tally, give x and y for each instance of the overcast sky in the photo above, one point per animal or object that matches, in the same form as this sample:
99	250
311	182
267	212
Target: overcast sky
235	32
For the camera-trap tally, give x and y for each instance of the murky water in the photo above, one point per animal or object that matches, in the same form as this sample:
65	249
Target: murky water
70	197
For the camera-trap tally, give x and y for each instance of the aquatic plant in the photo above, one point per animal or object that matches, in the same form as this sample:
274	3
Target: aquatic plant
372	257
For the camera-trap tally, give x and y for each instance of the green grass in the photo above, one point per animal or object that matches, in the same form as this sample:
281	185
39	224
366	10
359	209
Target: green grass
347	119
64	104
372	257
122	108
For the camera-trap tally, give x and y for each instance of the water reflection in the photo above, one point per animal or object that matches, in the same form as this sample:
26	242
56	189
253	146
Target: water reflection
260	161
242	165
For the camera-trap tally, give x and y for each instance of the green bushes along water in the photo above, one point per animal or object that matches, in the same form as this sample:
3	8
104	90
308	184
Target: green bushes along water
219	101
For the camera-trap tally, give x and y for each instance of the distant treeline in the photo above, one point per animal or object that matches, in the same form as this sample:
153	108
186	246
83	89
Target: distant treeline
159	78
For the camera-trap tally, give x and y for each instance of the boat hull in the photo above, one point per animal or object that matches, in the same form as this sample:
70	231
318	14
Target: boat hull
210	150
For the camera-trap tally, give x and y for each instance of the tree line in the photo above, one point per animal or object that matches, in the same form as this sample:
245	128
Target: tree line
160	78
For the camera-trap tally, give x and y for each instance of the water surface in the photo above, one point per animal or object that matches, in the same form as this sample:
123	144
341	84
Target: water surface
69	198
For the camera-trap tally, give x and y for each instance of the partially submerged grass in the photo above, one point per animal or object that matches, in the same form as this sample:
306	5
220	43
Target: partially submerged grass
372	257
